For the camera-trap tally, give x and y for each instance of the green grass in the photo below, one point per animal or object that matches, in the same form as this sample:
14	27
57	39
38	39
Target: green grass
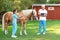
53	31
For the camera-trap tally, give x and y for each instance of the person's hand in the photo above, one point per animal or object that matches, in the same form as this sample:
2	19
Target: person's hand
39	14
45	15
20	16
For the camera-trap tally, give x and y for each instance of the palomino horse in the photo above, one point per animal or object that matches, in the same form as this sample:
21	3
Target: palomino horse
25	15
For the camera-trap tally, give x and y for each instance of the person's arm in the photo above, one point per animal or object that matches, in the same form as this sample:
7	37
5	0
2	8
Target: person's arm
20	16
16	17
45	13
39	13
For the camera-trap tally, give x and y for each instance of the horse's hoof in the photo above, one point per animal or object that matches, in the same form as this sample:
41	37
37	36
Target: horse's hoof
20	33
6	32
25	33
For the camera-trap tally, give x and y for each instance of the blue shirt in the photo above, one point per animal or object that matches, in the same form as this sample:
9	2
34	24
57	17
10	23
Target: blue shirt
14	16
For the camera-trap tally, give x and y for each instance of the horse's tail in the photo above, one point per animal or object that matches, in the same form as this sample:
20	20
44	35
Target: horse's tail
3	22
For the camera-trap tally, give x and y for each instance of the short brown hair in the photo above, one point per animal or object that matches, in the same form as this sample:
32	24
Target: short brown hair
14	10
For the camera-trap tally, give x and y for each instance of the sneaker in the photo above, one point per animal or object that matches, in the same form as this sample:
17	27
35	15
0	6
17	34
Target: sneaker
38	33
44	33
13	36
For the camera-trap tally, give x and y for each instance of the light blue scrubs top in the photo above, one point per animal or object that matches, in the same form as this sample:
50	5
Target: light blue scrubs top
14	21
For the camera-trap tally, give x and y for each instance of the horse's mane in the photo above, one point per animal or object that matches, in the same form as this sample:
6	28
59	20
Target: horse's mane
8	12
27	12
24	12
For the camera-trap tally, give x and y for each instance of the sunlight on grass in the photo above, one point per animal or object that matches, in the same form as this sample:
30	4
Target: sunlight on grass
38	39
54	29
55	26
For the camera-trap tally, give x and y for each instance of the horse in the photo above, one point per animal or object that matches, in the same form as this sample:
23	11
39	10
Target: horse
24	16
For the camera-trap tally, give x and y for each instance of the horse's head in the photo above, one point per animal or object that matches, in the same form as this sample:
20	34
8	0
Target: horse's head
34	12
29	12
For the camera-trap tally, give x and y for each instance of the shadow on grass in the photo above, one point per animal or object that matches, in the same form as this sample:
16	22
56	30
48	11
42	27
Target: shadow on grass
31	36
32	28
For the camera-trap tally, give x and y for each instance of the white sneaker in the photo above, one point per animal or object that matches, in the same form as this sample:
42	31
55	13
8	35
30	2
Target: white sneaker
13	36
44	33
38	33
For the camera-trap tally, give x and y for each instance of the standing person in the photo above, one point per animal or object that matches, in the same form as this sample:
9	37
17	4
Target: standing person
14	23
42	21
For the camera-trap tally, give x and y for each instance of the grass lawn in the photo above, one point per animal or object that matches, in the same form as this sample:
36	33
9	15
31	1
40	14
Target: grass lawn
53	31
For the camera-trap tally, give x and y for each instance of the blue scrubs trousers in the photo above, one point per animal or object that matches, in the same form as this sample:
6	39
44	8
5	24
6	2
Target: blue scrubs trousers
42	23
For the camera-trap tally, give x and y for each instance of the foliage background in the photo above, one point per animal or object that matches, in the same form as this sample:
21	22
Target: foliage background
9	5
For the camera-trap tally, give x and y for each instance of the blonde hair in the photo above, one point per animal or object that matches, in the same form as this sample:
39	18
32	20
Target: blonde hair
42	5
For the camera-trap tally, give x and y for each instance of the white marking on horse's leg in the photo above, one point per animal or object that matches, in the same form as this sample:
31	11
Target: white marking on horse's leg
25	32
25	29
21	28
31	18
6	32
36	18
20	32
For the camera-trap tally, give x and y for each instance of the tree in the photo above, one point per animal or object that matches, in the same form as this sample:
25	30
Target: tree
54	1
9	5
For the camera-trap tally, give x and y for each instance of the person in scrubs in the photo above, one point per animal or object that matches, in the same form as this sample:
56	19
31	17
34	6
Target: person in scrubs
14	23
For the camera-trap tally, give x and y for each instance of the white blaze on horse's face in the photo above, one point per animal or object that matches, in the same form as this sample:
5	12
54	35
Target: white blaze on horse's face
27	12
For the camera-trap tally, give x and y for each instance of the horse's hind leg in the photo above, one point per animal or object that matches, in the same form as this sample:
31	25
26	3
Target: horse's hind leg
25	29
21	24
6	25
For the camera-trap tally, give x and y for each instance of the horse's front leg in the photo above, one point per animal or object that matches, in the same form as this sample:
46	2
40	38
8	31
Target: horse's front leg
21	25
6	25
25	29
